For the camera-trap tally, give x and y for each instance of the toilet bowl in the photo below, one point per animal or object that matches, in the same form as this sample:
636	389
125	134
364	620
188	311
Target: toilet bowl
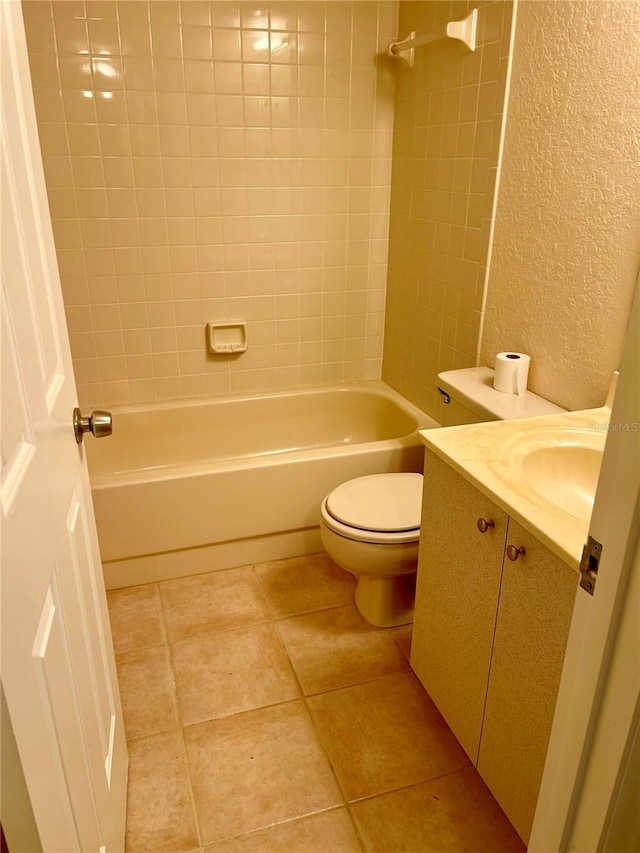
370	526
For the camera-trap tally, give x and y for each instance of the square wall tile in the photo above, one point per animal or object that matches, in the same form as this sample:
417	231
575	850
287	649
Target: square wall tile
445	147
160	106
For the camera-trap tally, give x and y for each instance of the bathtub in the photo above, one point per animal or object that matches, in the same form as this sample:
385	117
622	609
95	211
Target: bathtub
189	487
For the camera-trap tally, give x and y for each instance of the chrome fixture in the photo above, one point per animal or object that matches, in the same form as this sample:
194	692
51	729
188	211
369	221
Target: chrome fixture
98	423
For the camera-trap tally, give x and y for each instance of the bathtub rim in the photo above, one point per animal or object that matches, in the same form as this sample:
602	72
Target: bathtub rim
376	387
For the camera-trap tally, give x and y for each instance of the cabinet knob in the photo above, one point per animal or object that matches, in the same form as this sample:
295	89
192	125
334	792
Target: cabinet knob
484	524
513	553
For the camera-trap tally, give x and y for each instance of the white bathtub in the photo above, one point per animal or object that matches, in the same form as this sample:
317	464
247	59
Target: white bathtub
189	487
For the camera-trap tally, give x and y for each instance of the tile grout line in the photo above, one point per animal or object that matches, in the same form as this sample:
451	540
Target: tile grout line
299	698
318	737
192	798
302	818
358	683
179	716
411	785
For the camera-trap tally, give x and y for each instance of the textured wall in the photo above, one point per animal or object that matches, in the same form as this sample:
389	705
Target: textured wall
209	161
567	236
448	121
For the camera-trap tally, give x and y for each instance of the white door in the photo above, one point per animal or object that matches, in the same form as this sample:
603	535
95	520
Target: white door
58	667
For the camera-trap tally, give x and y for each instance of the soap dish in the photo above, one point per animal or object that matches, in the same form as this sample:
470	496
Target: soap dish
227	338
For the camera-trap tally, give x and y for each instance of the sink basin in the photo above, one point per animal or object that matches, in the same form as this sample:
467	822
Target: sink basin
559	465
565	475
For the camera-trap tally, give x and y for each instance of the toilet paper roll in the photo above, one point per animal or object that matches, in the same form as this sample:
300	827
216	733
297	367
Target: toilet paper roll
511	372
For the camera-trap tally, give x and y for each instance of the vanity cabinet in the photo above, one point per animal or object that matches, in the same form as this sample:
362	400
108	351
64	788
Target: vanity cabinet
458	583
490	634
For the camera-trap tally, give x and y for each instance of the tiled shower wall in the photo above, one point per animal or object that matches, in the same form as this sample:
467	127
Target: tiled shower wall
448	120
209	161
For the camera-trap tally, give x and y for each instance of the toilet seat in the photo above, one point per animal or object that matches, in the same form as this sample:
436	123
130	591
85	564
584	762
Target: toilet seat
379	508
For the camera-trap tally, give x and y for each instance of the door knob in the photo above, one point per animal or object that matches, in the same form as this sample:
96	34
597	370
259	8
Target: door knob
484	524
98	424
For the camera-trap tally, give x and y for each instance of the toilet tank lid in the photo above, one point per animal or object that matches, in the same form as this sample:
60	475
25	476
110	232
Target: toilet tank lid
473	388
383	502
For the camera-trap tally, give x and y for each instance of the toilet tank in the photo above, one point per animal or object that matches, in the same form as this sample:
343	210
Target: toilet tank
468	397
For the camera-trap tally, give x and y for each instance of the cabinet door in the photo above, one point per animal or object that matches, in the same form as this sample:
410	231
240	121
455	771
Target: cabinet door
536	603
459	572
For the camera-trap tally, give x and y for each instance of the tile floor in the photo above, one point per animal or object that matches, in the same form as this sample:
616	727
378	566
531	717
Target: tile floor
264	714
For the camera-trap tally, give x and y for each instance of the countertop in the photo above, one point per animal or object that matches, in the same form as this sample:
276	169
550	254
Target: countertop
488	456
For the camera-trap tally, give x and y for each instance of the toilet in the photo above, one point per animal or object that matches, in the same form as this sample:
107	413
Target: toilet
370	525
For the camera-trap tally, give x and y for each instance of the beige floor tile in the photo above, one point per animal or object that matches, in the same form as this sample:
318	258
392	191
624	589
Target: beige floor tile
335	648
147	691
159	814
384	735
331	832
256	769
218	601
222	674
454	814
402	636
304	584
136	620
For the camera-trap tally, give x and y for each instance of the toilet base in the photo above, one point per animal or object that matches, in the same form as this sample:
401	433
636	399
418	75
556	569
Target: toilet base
386	602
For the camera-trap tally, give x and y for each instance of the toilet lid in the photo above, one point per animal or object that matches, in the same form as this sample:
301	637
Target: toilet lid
384	502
